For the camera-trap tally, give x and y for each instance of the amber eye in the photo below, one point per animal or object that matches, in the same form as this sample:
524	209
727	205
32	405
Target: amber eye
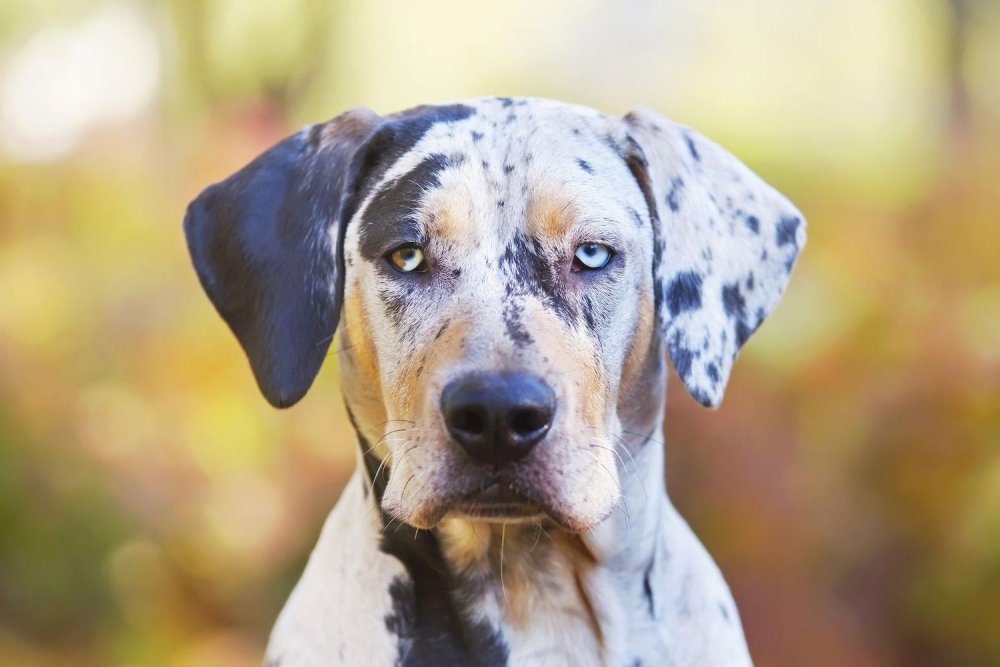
407	259
591	256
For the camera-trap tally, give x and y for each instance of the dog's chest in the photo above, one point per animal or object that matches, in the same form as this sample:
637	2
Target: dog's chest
546	598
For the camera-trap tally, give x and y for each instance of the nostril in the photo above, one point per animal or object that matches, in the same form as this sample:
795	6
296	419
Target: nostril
529	421
468	420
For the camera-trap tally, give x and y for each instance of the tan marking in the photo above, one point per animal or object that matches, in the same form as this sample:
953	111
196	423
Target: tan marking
408	392
550	215
449	215
358	347
347	129
641	390
463	542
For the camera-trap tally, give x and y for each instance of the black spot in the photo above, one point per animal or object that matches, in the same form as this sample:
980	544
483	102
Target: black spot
753	223
750	282
507	168
390	214
684	293
476	136
585	165
724	612
505	101
511	315
733	301
428	624
456	273
785	231
500	203
713	373
486	165
533	273
636	218
691	147
676	185
402	619
647	588
743	332
735	307
394	301
441	330
588	313
682	357
576	131
699	395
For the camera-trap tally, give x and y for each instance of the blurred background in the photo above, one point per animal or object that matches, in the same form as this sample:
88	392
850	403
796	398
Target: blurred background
154	510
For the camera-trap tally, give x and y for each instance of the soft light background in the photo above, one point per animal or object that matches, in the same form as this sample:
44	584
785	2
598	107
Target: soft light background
155	511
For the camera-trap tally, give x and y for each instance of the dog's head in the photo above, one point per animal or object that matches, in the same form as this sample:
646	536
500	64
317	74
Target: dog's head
505	274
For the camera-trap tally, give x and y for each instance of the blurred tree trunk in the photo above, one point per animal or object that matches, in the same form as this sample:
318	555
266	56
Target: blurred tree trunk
959	112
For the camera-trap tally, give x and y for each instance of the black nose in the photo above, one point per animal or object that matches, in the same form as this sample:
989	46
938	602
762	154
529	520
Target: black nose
498	417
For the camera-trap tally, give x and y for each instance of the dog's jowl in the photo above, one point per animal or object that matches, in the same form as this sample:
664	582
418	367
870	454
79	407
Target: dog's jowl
506	278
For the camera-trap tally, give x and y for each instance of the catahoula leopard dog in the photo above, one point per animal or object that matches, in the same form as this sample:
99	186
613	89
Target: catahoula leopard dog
508	276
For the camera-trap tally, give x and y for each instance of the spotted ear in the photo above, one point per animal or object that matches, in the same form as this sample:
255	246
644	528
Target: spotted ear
267	246
724	241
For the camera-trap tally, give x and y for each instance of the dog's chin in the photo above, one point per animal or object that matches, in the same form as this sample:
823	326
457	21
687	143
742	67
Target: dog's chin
492	507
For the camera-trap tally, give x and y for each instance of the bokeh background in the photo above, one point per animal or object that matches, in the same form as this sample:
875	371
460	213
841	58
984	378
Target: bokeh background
154	510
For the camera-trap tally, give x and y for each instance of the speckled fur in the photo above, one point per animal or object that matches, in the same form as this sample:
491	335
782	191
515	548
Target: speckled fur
499	192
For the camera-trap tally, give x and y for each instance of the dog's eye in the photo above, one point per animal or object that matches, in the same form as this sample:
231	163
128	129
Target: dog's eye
590	256
407	259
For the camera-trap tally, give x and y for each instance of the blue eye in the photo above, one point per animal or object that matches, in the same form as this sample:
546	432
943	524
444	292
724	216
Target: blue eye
408	259
591	256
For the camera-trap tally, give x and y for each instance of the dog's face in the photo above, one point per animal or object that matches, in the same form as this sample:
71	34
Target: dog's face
502	266
508	249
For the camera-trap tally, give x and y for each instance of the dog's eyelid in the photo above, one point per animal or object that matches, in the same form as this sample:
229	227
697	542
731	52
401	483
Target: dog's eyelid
601	230
612	244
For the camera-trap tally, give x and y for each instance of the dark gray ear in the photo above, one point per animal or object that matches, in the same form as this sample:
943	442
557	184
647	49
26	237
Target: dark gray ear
266	244
725	244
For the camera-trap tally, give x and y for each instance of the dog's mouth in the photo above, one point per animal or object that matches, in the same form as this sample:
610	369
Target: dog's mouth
497	502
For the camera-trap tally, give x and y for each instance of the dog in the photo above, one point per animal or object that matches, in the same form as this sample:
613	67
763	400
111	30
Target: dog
508	276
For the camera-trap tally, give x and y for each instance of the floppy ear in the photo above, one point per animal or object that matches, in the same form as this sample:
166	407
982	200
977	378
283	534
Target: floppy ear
724	243
267	246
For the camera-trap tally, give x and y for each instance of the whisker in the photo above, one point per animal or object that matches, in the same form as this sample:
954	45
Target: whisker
503	535
538	535
635	467
645	438
387	421
406	484
379	441
622	501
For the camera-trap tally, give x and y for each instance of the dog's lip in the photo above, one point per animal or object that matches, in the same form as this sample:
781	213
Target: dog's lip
497	501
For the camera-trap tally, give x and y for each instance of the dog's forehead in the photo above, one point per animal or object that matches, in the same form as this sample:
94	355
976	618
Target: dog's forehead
506	163
516	128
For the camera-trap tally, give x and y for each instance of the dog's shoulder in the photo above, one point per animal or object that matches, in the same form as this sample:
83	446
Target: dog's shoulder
698	619
343	608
